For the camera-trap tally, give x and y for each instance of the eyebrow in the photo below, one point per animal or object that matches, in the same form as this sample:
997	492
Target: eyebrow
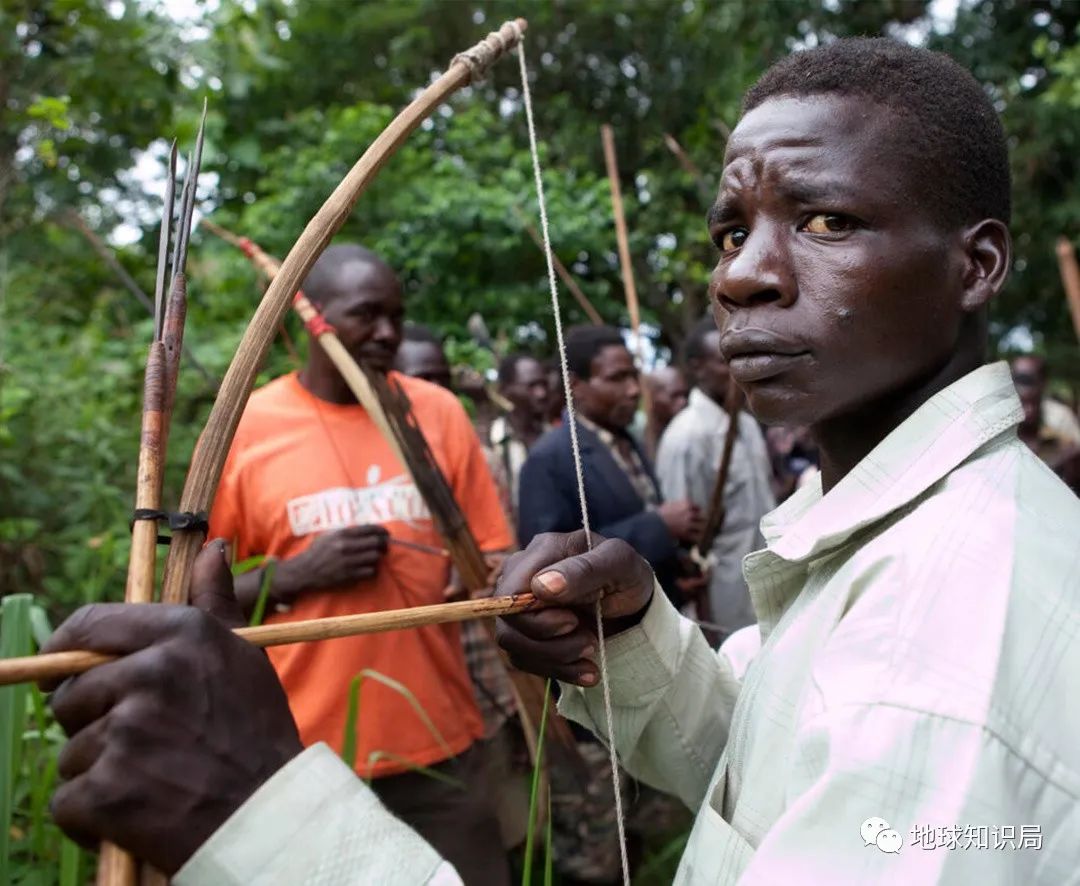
723	210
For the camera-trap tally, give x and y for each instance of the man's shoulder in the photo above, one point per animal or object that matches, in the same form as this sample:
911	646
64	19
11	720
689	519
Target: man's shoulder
427	397
553	444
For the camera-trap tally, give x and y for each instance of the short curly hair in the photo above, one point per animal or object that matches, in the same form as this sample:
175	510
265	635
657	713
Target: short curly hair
952	129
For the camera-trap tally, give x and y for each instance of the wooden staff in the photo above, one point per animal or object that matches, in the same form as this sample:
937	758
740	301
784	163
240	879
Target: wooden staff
607	136
1070	279
714	517
57	665
564	274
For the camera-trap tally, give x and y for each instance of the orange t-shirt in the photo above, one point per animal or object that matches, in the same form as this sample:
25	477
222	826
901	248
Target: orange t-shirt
300	466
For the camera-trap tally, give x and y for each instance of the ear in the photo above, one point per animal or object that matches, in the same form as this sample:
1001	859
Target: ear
988	258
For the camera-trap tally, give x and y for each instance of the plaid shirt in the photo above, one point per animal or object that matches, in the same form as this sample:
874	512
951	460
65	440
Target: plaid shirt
627	457
491	685
919	632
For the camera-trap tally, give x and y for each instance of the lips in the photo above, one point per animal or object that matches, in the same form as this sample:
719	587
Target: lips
755	354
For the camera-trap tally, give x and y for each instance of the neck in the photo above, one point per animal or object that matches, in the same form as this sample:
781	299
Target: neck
526	426
846	440
321	379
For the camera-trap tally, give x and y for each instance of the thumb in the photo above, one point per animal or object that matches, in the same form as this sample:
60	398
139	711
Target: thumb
212	585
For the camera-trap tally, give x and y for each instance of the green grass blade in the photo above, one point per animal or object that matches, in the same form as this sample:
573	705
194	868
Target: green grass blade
15	640
352	715
534	794
549	856
376	756
70	863
267	579
414	703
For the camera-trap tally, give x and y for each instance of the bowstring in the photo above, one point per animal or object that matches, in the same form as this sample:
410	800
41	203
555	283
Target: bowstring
576	451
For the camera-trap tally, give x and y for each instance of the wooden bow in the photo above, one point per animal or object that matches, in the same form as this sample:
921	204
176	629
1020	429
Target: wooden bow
212	449
389	410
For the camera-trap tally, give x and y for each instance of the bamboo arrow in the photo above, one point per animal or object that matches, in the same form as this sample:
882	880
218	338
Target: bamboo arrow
57	665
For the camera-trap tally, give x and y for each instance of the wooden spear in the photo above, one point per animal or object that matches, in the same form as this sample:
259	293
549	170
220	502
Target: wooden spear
115	866
607	135
1070	279
57	665
714	516
564	274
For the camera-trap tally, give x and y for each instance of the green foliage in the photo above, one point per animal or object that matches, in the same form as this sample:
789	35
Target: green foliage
30	844
297	90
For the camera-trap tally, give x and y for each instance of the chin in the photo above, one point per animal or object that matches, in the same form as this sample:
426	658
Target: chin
781	405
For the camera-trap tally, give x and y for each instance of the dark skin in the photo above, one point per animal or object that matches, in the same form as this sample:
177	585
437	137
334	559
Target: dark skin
1029	376
710	371
827	264
363	304
530	394
844	303
669	393
864	306
424	360
608	398
201	711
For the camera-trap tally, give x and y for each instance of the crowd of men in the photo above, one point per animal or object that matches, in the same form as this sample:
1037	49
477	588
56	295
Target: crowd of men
830	536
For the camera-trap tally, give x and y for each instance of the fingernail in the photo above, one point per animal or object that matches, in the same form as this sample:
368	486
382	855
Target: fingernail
587	678
552	582
588	652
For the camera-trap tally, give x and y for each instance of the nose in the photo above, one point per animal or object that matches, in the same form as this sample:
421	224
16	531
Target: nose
759	274
385	330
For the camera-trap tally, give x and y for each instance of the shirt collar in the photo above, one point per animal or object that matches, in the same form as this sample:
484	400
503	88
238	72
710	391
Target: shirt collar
941	434
706	406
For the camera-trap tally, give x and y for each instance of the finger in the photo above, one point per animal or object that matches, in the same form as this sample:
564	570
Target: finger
559	652
115	628
367	545
367	530
580	673
543	550
72	808
544	624
83	699
212	585
611	568
81	751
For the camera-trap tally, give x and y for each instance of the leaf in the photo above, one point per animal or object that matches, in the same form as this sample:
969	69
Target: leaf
15	640
267	579
534	793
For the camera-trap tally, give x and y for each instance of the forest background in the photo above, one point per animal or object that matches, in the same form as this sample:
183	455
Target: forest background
91	92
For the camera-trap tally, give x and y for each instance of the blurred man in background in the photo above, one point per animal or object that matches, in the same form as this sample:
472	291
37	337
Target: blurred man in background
524	382
687	465
668	396
1049	428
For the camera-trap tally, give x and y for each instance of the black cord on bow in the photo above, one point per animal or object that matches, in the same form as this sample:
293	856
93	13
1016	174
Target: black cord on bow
176	520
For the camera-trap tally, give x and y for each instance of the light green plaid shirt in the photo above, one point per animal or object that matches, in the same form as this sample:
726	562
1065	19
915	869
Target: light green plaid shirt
920	665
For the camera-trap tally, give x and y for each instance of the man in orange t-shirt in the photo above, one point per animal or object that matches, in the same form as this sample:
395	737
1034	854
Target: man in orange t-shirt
310	483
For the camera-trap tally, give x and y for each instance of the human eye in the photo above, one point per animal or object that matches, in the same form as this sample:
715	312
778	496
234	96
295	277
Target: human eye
829	223
731	239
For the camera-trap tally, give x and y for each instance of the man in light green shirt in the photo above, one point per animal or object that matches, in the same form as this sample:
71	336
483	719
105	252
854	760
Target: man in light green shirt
910	715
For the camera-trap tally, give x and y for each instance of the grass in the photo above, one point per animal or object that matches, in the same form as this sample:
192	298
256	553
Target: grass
32	849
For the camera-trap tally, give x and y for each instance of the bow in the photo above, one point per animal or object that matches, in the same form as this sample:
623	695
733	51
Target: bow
389	409
208	460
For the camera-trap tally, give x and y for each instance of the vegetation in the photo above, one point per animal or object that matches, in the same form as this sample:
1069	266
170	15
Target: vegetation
91	91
